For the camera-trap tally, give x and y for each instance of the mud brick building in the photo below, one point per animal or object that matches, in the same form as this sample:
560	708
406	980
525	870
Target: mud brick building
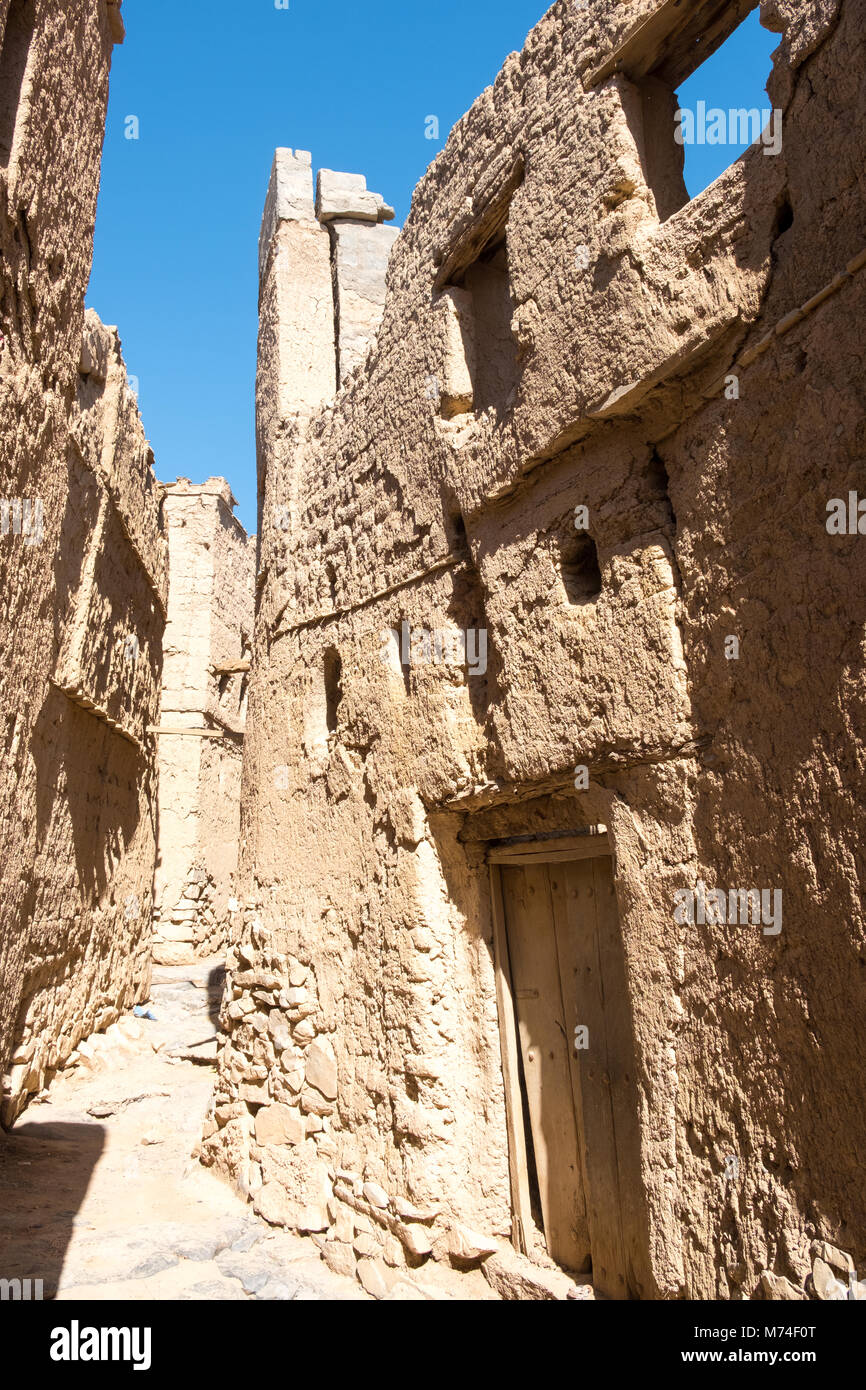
600	423
82	575
547	933
207	646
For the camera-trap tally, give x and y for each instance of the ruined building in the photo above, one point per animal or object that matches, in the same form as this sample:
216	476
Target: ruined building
87	539
558	684
207	648
547	943
83	571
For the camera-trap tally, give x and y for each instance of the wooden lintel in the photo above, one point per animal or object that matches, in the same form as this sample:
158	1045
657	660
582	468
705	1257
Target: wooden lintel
673	41
194	733
551	851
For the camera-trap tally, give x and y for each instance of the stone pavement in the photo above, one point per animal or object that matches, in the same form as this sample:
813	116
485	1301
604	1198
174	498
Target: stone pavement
101	1196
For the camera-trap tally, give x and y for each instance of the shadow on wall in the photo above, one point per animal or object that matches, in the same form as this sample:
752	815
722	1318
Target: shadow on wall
216	983
45	1171
90	776
796	982
84	942
467	610
477	1154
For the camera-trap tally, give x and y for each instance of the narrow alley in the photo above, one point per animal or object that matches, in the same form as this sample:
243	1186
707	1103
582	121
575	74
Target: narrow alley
101	1192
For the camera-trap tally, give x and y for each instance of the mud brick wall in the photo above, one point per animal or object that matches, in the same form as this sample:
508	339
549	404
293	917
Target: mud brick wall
207	649
83	576
88	784
563	330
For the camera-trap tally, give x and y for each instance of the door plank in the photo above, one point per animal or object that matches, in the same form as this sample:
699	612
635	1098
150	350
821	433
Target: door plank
580	959
518	1168
623	1088
544	1049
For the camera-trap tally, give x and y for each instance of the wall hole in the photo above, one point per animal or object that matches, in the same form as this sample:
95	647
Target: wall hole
731	83
479	280
784	218
496	366
456	530
331	576
333	687
660	484
695	114
581	574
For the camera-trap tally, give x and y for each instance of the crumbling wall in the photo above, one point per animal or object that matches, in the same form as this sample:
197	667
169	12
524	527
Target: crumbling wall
601	425
207	651
82	569
361	244
87	954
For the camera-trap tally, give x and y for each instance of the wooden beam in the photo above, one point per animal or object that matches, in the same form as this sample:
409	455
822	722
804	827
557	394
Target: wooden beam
551	851
230	667
194	733
673	41
521	1206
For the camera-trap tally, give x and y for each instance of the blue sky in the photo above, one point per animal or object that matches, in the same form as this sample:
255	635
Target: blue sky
216	85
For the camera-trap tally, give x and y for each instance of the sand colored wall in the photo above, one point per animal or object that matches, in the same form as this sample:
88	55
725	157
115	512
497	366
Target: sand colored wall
89	773
585	364
207	647
83	580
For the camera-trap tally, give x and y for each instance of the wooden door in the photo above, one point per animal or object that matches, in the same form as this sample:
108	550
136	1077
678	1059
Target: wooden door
547	1072
567	972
